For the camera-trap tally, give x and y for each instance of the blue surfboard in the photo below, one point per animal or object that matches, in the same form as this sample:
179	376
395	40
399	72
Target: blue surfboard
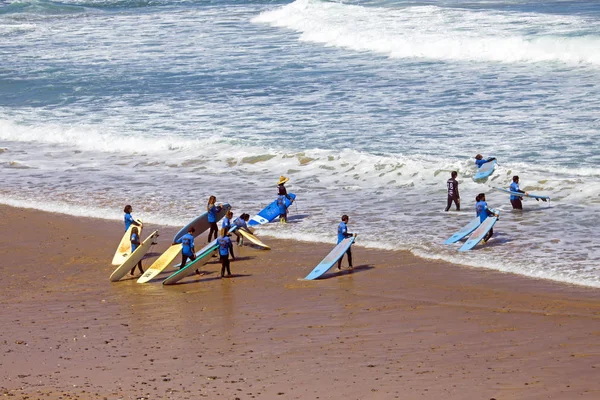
479	233
201	223
533	196
485	170
331	258
464	231
270	212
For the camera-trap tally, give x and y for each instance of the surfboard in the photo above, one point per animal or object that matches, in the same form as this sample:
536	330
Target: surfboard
161	263
253	239
202	257
331	258
201	223
533	196
485	170
479	233
134	258
124	247
270	212
464	231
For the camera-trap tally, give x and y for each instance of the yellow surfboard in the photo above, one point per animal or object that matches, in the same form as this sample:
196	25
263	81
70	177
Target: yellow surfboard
161	263
253	239
134	258
124	248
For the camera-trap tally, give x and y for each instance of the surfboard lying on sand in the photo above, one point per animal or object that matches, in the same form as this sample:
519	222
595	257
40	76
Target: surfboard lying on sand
270	212
485	170
161	263
202	257
479	233
201	223
464	231
253	239
533	196
124	248
331	258
134	258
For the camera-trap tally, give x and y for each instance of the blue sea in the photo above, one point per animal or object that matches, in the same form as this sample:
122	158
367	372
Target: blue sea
365	105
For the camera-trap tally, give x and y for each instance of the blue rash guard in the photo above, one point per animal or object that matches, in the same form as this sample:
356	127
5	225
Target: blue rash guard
212	213
481	162
281	204
224	245
226	224
343	232
135	241
514	187
482	210
240	223
128	221
187	244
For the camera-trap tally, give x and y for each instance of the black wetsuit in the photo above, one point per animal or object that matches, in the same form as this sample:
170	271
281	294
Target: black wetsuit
453	195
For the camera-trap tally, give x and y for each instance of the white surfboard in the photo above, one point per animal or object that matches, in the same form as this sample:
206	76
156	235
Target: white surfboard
134	258
331	258
253	239
161	263
124	247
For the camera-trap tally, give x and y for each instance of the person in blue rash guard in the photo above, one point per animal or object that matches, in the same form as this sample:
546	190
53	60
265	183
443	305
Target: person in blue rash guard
225	247
516	200
128	218
226	224
343	234
480	161
187	247
135	242
240	223
281	196
212	208
482	210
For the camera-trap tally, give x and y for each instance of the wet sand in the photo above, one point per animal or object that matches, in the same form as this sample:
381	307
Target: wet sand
395	327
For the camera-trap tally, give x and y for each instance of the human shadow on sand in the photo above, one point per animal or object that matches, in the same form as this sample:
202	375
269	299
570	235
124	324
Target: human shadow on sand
202	278
345	271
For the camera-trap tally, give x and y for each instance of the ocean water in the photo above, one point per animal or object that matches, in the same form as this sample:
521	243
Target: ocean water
366	105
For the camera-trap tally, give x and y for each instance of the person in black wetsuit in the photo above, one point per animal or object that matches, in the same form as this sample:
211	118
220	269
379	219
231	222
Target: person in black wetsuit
281	196
453	195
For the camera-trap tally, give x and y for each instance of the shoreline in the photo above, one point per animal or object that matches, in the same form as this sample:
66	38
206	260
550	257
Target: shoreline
397	326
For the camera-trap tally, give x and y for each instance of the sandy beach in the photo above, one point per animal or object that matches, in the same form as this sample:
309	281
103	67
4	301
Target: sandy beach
395	327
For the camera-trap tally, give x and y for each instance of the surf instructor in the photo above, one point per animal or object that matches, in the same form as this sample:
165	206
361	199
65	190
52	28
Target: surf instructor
281	196
516	200
453	195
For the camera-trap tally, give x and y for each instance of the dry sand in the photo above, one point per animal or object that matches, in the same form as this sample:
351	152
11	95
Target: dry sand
395	327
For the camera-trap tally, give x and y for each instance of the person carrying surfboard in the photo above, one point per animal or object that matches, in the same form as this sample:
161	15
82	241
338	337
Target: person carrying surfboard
453	195
225	247
482	210
281	196
480	161
212	208
187	247
516	200
128	218
135	242
240	223
226	224
343	234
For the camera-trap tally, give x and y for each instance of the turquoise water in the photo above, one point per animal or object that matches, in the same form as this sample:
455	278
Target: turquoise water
366	106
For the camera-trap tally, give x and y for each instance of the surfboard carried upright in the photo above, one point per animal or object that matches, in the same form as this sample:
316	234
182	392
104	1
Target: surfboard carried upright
464	231
253	239
161	263
533	196
485	170
124	247
201	223
331	258
202	257
479	233
134	258
270	212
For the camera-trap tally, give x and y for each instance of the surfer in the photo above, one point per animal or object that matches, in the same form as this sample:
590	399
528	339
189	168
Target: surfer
226	224
281	196
343	234
482	210
225	247
135	242
480	161
212	208
453	195
240	223
516	200
187	247
128	218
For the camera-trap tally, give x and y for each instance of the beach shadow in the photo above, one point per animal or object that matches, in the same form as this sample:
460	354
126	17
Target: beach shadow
151	255
346	271
201	278
293	219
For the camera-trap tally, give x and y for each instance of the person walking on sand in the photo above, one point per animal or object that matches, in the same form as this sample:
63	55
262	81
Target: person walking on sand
282	195
135	242
480	161
516	200
453	195
482	210
128	218
225	247
212	208
343	234
187	247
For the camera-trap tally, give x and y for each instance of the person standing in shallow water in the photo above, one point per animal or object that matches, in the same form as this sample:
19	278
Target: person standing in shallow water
515	201
281	196
343	234
482	210
453	195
